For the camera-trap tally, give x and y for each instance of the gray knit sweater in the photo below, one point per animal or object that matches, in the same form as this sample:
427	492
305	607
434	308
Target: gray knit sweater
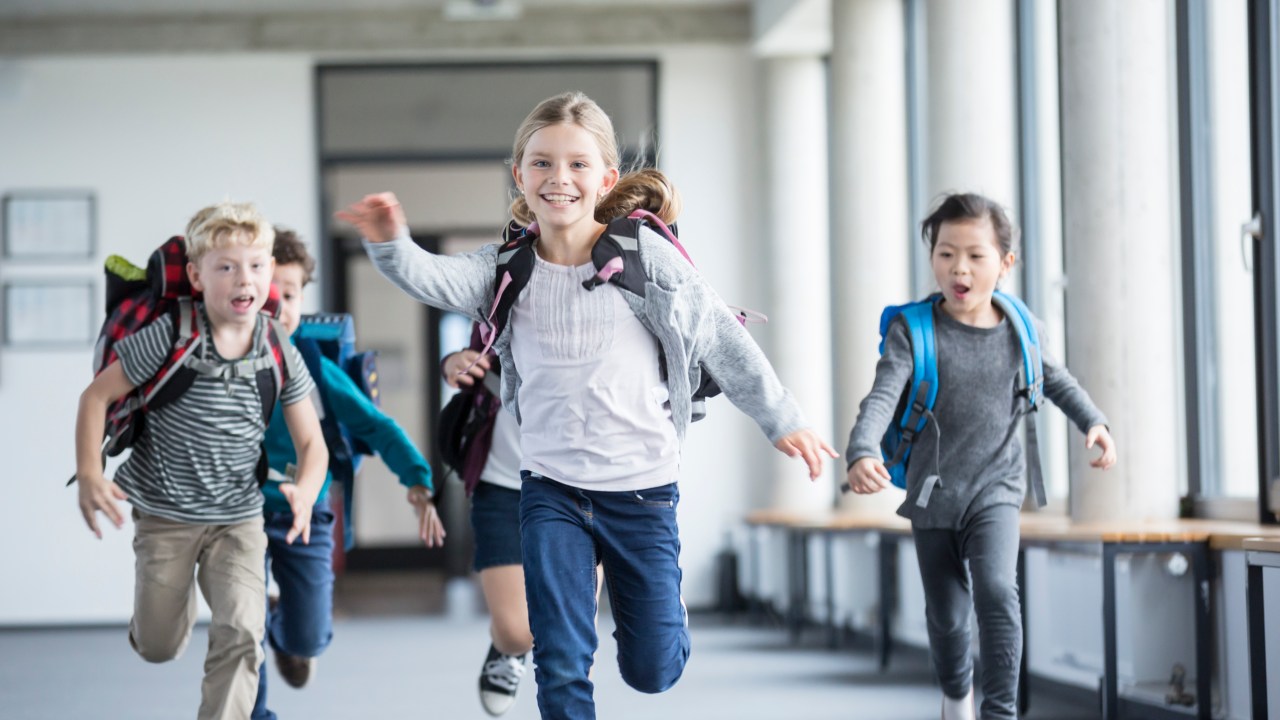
972	445
695	328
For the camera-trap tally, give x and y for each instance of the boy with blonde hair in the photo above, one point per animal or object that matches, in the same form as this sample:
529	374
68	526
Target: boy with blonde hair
192	477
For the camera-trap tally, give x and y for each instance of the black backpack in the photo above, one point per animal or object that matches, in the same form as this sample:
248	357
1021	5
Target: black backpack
616	256
464	432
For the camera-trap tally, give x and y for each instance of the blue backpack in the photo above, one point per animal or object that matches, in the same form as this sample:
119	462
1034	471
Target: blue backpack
915	409
333	336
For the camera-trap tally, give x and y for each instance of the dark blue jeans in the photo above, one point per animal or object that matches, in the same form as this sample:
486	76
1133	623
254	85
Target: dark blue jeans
565	532
302	623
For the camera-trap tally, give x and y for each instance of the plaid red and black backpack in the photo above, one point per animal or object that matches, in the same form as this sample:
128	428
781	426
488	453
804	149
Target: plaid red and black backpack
136	297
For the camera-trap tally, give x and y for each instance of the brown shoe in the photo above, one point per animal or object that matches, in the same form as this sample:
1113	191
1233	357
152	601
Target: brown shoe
295	670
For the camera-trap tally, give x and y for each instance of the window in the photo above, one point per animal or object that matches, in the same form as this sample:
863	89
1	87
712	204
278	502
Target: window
1218	302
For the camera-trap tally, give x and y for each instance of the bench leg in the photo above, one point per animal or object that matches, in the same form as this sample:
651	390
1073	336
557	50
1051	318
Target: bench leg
1257	642
1110	682
888	595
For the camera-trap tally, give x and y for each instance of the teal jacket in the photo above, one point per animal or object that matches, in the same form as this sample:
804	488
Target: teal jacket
363	419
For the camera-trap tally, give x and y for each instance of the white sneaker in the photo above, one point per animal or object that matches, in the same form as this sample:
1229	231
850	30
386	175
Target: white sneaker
959	708
500	680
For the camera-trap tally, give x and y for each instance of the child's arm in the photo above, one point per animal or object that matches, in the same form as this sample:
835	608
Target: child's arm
1062	388
97	494
459	283
384	435
743	372
313	463
867	473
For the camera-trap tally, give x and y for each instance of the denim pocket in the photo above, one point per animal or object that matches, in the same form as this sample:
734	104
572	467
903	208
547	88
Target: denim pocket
663	496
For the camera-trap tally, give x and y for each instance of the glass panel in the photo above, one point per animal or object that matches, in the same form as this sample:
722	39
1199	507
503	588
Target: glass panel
470	111
1230	372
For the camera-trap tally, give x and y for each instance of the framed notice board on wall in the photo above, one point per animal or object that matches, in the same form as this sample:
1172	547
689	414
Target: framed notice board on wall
48	225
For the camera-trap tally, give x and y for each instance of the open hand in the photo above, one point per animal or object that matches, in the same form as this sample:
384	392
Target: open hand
379	217
300	504
430	528
868	475
1099	435
807	445
99	495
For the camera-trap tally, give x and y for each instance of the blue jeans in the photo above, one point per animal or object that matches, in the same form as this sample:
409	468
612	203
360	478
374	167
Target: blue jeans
565	532
302	623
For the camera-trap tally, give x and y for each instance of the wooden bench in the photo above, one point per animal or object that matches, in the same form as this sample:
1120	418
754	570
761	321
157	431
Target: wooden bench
1193	538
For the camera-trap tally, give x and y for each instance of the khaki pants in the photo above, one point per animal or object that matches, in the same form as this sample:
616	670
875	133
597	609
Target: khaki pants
227	561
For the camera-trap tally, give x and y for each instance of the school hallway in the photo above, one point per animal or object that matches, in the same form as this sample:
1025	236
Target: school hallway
389	660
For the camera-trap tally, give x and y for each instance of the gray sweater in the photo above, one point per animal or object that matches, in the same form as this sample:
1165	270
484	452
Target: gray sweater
972	444
695	328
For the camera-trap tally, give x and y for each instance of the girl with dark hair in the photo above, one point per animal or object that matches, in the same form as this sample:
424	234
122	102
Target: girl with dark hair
966	484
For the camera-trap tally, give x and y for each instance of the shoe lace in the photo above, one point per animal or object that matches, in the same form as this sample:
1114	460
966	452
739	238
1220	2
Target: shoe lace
505	672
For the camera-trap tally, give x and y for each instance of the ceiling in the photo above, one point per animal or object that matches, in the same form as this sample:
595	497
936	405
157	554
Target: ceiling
54	8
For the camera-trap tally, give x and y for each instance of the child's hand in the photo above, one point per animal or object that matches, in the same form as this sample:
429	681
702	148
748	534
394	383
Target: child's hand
98	494
377	217
1098	434
455	364
430	529
807	445
868	475
300	504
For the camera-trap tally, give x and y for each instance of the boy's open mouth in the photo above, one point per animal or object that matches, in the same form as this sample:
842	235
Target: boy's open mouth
959	290
242	303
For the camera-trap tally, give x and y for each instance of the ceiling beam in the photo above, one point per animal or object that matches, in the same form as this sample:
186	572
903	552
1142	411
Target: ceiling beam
373	30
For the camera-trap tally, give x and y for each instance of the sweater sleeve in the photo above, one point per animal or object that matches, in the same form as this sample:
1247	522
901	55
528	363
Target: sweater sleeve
726	351
366	422
1062	388
893	373
459	283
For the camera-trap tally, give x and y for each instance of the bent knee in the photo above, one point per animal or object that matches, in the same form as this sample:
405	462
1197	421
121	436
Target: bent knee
653	675
652	680
158	651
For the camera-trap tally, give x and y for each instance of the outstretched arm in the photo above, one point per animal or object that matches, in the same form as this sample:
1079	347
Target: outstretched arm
459	283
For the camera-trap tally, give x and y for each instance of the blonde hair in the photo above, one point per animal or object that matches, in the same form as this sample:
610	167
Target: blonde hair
225	224
642	189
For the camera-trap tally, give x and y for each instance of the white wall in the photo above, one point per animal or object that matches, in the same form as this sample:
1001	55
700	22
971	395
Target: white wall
158	137
155	138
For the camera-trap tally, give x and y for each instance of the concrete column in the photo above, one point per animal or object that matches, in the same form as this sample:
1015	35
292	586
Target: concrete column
1119	184
798	211
871	244
970	107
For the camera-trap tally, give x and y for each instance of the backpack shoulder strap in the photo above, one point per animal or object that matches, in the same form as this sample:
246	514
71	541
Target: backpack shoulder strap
512	271
1029	338
1032	383
616	256
924	356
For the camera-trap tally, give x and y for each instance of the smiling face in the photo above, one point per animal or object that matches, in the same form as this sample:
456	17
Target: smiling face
234	278
968	265
562	176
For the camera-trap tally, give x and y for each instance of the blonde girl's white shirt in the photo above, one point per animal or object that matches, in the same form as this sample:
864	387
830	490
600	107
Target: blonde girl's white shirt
502	468
593	407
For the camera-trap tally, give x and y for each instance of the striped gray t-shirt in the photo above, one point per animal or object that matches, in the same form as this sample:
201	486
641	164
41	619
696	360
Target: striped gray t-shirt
196	458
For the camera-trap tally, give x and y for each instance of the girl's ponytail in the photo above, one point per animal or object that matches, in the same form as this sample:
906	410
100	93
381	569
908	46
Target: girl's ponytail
520	211
645	189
